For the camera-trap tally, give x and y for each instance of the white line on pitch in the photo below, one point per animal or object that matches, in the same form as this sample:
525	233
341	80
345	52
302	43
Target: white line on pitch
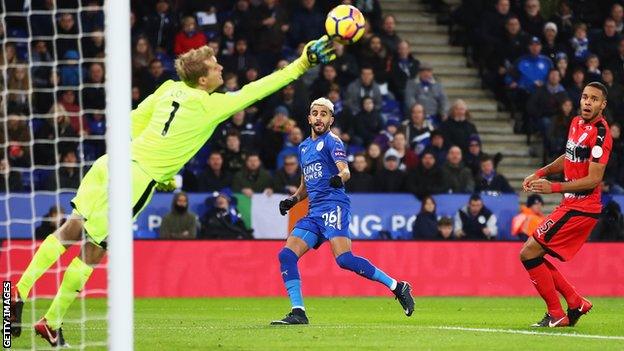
513	331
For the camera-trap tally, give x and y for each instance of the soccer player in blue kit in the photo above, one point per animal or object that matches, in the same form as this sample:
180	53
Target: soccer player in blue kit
324	172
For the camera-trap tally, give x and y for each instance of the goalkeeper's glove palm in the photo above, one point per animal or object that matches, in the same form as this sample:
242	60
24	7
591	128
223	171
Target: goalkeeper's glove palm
319	51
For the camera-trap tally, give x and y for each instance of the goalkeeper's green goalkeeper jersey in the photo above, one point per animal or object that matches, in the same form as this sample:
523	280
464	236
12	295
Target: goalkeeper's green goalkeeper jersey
173	123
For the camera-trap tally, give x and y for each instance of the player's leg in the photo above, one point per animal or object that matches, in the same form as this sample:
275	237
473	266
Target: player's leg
341	248
532	257
46	255
297	244
74	280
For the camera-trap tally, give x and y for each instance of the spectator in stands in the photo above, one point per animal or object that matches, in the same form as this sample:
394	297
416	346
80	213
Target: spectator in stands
557	135
320	86
78	122
49	133
489	180
240	60
68	174
96	127
18	132
610	226
94	97
386	135
408	159
160	26
223	222
18	84
492	28
291	146
617	64
189	37
604	44
228	39
531	19
374	158
426	224
343	117
69	71
93	45
417	130
615	108
307	23
40	71
617	15
65	30
288	178
545	101
368	122
575	88
244	127
378	58
253	178
561	64
215	177
142	55
614	173
403	67
592	66
296	106
458	128
390	179
564	19
361	181
438	147
270	25
363	87
473	157
153	77
242	17
179	223
50	222
530	217
457	178
580	43
426	91
9	177
552	46
233	156
346	64
475	221
388	34
427	178
511	47
91	17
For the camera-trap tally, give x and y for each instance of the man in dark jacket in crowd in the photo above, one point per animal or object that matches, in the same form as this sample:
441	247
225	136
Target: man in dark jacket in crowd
390	179
253	178
426	179
223	222
475	221
180	223
288	178
215	177
361	181
457	178
489	180
51	221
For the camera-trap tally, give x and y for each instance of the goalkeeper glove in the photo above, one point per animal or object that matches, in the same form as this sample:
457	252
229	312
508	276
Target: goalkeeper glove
319	51
167	186
287	204
336	182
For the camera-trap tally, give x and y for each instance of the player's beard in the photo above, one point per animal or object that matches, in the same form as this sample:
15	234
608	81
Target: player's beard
320	129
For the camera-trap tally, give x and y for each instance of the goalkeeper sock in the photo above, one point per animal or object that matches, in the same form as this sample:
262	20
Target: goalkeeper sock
290	274
364	268
48	253
74	280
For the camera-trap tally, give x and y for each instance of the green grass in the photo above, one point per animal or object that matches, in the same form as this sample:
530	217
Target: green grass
345	324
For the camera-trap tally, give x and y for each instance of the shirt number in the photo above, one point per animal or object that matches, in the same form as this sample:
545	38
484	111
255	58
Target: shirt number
175	106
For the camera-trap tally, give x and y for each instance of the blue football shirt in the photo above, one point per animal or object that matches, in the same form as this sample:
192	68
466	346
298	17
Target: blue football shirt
318	164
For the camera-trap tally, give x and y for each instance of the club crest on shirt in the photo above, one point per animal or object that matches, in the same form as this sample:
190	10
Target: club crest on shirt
320	145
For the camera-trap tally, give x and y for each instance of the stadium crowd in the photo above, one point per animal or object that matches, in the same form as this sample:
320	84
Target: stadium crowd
401	131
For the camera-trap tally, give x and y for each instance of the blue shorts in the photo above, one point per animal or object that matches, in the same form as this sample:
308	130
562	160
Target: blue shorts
323	224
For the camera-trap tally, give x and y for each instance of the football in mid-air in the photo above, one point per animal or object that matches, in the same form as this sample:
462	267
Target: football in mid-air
345	24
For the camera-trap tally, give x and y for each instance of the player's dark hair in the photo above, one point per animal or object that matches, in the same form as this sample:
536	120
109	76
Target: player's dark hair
600	87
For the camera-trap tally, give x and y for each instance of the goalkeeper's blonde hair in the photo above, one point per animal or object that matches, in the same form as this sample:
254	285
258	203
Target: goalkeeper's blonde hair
192	64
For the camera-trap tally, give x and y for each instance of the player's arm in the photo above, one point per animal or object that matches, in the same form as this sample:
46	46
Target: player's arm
342	177
318	51
288	203
589	182
554	167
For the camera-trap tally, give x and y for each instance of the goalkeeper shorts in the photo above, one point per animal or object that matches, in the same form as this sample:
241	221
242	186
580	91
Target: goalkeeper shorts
91	200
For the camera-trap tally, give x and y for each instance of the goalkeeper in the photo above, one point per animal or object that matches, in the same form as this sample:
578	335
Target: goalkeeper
168	128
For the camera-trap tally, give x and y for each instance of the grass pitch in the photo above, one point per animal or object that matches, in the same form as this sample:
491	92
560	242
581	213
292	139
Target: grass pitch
458	323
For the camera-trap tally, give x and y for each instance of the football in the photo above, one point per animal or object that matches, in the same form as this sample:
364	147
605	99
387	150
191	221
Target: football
345	24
